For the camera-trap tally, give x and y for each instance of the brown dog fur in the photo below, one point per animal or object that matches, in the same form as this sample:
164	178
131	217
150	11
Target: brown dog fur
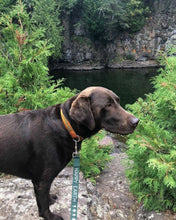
36	145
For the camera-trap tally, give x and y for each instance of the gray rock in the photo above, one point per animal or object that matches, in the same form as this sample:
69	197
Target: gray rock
17	199
141	47
109	199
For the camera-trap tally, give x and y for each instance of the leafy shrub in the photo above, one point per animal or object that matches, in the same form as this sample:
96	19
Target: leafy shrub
152	148
135	15
130	56
24	80
103	18
93	156
48	18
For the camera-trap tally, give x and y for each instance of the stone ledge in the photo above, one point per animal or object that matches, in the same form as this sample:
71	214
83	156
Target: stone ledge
17	200
120	65
134	64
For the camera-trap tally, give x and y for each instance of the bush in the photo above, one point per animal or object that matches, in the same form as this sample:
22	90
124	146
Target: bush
152	148
93	156
48	18
104	18
24	80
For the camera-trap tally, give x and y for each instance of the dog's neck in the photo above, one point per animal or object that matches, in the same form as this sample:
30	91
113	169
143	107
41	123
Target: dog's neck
79	129
69	128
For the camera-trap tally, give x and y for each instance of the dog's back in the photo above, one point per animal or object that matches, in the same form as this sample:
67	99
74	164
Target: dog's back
15	143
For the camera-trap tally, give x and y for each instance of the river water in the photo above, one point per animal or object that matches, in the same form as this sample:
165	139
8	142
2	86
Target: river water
128	84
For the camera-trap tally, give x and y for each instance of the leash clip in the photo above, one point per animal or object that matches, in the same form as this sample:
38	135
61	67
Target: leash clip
76	145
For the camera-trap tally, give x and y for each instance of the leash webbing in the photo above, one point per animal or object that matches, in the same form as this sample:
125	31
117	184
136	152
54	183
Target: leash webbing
76	166
75	186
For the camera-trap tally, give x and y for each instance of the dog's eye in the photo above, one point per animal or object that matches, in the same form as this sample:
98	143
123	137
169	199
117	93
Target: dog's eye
109	104
118	100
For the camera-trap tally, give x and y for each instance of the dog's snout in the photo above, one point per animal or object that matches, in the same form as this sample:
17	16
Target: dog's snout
134	122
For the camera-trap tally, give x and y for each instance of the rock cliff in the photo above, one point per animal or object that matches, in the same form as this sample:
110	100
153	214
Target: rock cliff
124	50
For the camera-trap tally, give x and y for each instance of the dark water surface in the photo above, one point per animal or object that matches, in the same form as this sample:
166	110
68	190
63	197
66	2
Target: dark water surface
128	84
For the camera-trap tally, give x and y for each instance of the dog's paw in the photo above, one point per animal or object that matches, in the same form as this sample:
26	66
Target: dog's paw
47	215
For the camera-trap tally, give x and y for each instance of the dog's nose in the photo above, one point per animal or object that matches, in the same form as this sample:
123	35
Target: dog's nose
134	122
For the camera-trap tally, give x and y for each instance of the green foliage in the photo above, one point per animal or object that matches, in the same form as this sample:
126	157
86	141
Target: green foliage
24	80
135	15
6	5
152	148
46	15
81	41
94	157
104	17
93	16
48	18
68	5
130	56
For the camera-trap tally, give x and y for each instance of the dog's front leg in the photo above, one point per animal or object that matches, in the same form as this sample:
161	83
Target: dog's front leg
42	189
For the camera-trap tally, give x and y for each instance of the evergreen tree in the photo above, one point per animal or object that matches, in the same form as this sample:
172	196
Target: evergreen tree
46	14
152	148
106	17
68	5
24	80
94	157
5	6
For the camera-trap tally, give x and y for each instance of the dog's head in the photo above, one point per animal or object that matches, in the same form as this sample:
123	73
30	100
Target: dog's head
98	107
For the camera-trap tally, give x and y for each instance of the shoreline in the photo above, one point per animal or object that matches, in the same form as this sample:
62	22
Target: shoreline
121	65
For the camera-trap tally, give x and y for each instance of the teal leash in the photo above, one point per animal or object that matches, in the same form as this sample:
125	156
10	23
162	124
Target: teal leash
75	184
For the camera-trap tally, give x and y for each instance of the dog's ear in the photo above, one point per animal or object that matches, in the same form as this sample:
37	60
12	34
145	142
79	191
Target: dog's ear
81	112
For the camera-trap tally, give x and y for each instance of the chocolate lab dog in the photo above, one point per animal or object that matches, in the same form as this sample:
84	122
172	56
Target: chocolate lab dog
37	145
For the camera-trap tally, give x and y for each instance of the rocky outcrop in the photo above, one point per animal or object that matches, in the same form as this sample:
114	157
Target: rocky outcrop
109	199
159	32
17	200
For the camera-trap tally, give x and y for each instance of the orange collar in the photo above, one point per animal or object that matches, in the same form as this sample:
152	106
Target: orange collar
69	128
